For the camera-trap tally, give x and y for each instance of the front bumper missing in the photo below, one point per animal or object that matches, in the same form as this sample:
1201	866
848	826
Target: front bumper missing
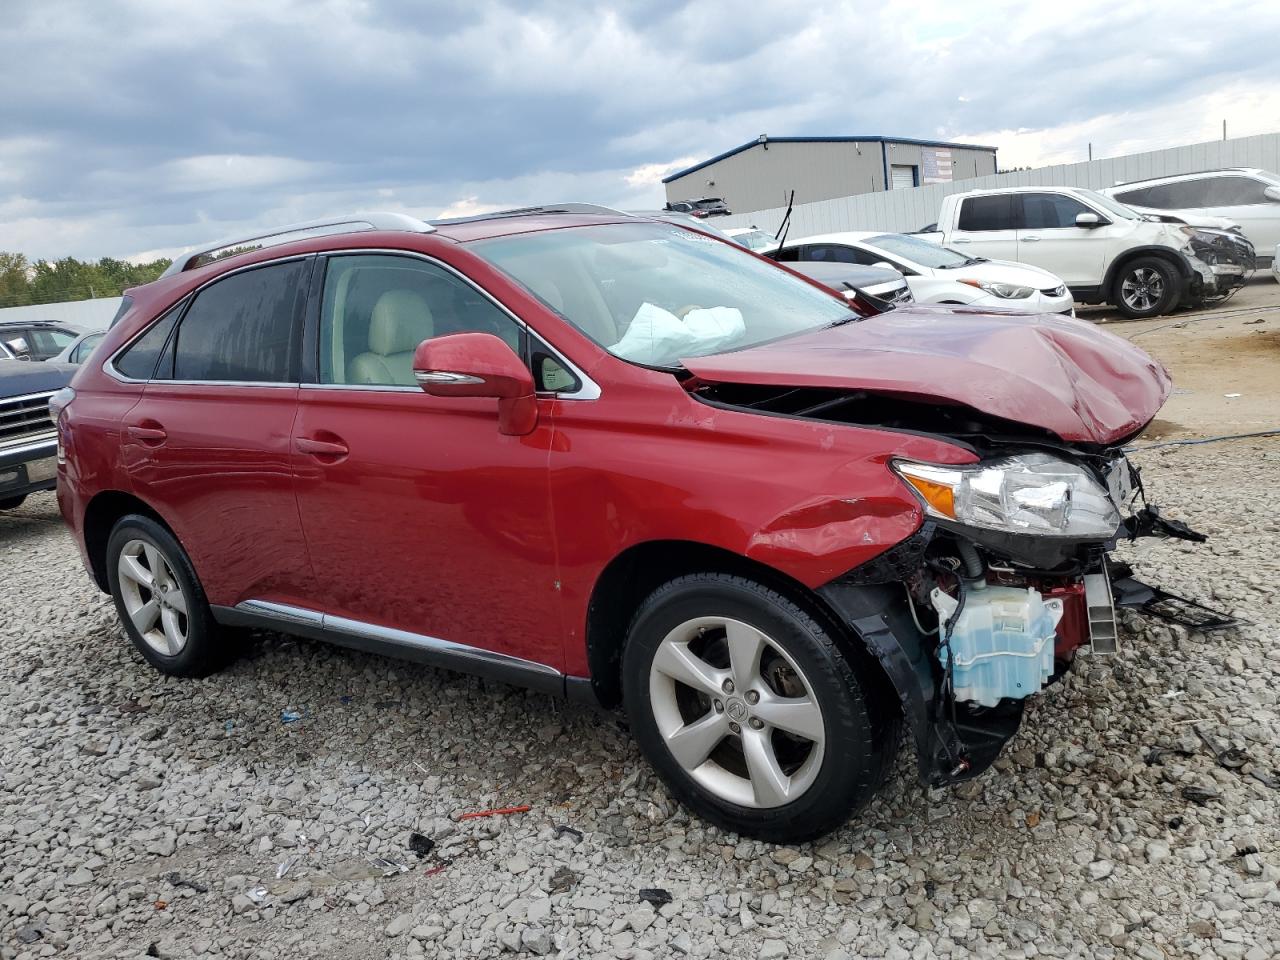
956	741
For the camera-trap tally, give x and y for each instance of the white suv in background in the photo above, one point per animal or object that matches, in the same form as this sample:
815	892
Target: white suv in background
1247	197
1102	249
936	274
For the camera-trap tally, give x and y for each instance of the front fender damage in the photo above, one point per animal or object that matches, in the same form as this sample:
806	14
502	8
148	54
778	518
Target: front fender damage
950	746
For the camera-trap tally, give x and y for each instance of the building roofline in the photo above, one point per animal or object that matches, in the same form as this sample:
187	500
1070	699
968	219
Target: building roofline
757	142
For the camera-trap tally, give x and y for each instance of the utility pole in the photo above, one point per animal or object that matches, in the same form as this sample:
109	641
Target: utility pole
1091	150
1224	128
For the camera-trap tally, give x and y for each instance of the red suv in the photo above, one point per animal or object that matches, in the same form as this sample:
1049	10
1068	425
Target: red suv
625	461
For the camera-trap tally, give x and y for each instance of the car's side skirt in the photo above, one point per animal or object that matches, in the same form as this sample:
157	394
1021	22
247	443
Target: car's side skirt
386	641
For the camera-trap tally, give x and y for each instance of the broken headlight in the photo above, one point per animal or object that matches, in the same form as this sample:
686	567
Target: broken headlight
1034	494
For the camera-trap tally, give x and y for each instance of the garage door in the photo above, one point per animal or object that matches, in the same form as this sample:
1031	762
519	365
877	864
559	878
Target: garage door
903	176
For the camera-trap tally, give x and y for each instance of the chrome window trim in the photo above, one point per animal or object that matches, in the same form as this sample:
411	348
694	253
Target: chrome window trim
109	365
328	623
589	389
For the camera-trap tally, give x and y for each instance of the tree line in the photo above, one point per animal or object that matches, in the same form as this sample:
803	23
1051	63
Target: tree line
23	283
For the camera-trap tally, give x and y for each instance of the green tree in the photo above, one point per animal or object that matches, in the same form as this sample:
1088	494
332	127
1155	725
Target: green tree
70	279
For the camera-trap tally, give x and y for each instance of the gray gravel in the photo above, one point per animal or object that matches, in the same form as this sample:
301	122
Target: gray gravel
146	816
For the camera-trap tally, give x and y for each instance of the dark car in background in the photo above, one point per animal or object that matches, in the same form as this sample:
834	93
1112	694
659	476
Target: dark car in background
701	208
28	439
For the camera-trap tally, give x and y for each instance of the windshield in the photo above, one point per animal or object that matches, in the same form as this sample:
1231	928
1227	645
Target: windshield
756	240
653	293
918	251
1109	204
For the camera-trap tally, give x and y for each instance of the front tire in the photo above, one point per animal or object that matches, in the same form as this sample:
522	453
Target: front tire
12	503
745	705
1145	287
160	600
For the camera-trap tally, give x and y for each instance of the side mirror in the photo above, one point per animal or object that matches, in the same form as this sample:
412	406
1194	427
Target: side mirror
1272	193
1088	220
885	264
479	365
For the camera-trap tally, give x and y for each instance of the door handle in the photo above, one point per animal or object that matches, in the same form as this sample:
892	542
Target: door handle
148	432
321	448
1030	239
961	240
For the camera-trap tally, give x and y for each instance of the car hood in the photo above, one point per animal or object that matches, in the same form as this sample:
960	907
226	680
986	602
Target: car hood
1059	374
1002	271
20	377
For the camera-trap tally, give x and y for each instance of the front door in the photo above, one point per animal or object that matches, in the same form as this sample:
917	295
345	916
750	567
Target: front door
1049	238
425	525
208	444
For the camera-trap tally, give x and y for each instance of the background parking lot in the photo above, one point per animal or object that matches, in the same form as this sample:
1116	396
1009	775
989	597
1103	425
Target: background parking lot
140	813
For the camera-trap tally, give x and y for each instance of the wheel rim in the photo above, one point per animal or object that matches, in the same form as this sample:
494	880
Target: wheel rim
1143	288
736	712
153	597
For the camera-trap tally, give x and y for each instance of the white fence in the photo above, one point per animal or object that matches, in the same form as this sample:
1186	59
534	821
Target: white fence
907	210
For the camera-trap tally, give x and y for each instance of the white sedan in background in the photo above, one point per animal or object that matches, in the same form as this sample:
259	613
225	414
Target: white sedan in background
938	274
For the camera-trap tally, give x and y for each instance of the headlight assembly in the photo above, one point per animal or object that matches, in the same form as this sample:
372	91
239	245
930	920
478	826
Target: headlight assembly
1034	494
1005	291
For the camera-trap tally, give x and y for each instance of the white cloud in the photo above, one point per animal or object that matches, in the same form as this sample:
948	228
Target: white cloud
227	116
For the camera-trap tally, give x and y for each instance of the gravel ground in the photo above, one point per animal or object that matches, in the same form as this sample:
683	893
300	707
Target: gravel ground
144	816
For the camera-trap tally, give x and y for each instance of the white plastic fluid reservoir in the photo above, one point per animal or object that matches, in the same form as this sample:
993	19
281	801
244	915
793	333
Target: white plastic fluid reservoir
1002	643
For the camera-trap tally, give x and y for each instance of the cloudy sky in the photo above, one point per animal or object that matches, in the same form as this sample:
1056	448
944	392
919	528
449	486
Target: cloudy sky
129	127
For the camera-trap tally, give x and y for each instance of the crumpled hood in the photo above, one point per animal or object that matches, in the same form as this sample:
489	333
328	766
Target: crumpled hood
1054	372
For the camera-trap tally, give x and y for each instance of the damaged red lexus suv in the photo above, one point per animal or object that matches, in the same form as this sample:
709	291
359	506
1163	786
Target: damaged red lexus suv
623	461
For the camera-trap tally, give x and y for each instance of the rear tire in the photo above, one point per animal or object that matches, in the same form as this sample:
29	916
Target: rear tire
1145	287
12	503
742	701
160	601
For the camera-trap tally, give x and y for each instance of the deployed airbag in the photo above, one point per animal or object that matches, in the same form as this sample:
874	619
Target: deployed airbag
659	337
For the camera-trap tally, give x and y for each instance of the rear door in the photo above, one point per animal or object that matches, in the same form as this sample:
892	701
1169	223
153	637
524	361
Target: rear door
208	444
1049	238
986	227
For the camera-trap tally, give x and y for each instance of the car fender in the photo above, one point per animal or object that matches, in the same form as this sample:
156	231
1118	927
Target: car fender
1176	257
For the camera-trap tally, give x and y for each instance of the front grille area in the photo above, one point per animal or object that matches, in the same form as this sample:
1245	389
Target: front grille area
1054	291
24	418
899	297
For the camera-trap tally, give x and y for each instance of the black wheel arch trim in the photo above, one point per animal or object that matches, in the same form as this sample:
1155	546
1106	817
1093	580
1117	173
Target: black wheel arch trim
1176	257
950	748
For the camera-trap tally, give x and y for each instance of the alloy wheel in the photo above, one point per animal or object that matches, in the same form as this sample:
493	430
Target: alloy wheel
1142	289
736	712
153	597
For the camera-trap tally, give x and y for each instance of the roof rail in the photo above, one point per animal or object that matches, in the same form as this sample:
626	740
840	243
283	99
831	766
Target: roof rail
325	226
571	207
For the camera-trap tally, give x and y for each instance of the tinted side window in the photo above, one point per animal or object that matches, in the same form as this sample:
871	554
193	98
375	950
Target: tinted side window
377	308
138	362
1137	198
1047	211
244	327
987	213
1233	192
831	253
786	255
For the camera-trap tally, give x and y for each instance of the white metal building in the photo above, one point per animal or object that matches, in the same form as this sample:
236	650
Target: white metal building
761	174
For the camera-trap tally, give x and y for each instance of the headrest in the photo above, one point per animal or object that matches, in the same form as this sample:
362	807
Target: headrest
401	320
